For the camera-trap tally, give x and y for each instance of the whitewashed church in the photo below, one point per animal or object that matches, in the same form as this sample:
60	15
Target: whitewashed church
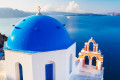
39	48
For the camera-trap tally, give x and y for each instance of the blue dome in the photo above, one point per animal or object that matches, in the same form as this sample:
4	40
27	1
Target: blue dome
39	33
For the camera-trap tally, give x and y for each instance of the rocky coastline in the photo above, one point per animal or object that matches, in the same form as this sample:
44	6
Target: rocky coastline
2	39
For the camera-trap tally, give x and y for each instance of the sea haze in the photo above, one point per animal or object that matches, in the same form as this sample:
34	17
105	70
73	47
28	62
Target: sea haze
15	13
104	29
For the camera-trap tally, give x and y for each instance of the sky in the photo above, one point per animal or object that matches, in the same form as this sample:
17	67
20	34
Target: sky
77	6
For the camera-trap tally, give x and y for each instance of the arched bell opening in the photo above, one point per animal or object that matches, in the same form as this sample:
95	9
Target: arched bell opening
91	45
86	60
94	61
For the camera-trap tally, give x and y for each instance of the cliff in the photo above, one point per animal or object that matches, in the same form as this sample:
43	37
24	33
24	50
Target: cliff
2	39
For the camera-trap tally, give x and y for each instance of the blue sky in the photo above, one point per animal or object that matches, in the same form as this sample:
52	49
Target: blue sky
80	6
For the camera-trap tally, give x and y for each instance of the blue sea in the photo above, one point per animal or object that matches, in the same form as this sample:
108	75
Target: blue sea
104	29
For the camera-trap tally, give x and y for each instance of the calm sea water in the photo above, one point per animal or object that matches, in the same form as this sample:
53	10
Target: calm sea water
104	29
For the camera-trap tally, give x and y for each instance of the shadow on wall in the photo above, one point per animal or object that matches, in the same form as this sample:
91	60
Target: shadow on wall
8	78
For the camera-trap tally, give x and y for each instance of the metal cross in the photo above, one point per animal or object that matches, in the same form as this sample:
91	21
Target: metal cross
38	12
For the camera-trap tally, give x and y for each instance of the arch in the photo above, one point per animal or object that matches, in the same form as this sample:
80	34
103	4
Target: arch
19	71
86	60
70	63
50	70
94	60
92	40
91	46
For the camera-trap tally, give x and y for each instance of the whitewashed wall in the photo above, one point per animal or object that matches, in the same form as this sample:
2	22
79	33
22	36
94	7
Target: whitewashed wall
13	57
2	70
60	59
34	64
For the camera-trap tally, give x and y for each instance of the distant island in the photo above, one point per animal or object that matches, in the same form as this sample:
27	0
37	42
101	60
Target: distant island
15	13
114	14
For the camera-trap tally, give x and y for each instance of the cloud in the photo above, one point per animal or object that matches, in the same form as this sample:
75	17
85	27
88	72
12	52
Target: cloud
71	7
46	8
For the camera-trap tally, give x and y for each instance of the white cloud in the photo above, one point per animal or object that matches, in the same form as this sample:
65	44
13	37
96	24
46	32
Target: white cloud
71	7
46	8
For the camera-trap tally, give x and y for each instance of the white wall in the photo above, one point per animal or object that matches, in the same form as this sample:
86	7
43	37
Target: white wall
13	57
2	70
34	64
71	51
99	65
59	57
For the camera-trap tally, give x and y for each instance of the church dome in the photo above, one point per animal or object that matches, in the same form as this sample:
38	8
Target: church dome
39	33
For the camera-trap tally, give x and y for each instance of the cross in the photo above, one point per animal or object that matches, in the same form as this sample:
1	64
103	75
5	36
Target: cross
39	9
38	12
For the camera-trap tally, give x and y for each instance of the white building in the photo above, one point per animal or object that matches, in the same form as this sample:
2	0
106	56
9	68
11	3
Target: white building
39	48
